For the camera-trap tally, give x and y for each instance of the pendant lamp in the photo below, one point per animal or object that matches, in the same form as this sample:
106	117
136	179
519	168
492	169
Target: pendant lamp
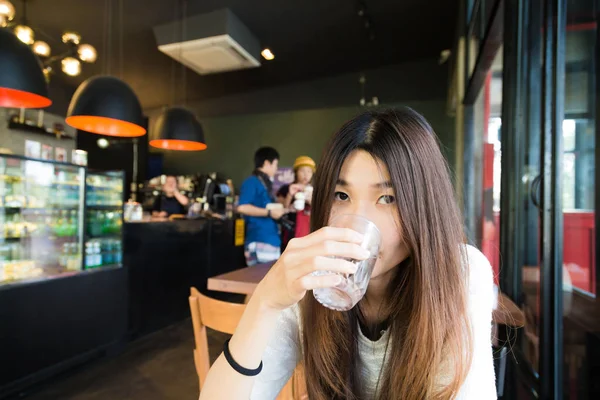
107	106
178	129
22	82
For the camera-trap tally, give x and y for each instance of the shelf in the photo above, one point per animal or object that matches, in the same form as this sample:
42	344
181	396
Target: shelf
101	207
105	187
33	210
20	179
86	268
13	239
72	183
54	238
30	126
103	236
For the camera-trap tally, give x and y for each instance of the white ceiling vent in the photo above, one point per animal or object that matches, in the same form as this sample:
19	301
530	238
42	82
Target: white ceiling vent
210	43
210	55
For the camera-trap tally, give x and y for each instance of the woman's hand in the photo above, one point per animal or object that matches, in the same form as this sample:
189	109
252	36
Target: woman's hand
291	276
295	188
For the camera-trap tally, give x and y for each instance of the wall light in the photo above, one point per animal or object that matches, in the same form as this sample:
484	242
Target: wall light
267	54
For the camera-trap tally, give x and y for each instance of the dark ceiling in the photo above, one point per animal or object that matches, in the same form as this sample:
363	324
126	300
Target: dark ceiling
310	38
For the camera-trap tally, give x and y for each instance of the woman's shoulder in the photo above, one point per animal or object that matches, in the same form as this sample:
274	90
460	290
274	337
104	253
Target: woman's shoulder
480	275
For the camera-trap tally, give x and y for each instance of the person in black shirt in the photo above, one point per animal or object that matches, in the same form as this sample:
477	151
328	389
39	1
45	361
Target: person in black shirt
170	201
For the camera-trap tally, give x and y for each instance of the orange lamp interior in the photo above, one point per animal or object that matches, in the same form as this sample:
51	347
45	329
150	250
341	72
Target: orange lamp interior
180	145
105	126
13	98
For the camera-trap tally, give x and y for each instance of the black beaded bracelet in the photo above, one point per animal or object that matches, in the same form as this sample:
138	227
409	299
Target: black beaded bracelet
237	367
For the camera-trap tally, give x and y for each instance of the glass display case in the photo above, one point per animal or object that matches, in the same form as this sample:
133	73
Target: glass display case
104	219
41	219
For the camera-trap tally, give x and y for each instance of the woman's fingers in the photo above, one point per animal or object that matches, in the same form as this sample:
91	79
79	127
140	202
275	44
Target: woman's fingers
304	260
327	233
340	265
310	282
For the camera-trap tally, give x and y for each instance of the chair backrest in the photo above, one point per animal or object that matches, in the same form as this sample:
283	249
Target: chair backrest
224	317
214	314
500	368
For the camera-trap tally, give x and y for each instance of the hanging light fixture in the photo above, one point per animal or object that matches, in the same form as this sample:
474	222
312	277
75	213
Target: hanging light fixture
178	129
107	106
71	66
71	59
7	12
87	53
22	82
25	34
41	48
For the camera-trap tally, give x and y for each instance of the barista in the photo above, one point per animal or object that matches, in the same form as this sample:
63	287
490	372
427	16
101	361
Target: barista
170	201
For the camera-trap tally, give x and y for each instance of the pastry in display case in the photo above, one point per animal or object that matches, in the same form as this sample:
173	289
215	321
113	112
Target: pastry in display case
41	218
104	219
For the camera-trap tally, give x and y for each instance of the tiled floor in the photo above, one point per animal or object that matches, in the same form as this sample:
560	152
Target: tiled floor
157	367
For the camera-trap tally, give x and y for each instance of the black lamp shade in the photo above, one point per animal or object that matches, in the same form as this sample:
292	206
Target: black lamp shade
178	129
107	106
22	81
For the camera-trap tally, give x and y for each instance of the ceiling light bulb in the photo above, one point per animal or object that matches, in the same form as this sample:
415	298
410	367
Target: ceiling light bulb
71	37
7	11
71	66
41	48
87	53
267	54
25	34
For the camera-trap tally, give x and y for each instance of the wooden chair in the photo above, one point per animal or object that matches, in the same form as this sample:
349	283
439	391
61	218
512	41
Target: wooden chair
224	317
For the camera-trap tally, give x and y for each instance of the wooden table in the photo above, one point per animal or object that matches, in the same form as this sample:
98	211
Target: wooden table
242	281
245	280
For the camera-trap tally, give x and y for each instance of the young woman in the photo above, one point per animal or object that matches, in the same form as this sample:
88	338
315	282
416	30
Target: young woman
423	329
304	169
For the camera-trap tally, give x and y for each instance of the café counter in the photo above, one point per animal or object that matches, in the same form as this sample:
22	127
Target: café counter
165	258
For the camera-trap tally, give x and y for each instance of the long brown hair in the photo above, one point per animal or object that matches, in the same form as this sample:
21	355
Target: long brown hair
429	348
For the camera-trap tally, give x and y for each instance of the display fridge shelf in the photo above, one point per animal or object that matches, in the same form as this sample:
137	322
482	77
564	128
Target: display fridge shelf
102	207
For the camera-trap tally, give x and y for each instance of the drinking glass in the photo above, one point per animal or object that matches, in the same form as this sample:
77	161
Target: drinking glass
353	286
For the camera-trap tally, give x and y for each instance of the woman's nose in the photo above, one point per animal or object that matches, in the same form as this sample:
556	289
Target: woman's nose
362	209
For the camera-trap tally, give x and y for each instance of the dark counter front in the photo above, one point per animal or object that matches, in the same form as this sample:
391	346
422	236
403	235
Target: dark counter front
51	326
57	325
164	259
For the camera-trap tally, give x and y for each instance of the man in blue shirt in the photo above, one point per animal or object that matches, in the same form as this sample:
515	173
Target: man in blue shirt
262	233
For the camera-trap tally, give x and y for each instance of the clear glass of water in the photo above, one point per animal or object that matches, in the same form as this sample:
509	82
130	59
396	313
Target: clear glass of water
354	286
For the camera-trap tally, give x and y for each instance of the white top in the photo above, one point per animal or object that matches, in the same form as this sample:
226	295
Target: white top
284	351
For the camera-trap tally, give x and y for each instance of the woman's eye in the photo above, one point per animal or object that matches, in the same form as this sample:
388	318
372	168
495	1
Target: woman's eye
387	199
341	196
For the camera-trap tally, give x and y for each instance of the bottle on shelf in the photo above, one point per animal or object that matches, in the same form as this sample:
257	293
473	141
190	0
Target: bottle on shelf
89	256
98	253
118	255
63	259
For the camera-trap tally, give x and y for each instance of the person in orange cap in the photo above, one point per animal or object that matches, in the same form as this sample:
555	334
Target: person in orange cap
297	198
304	168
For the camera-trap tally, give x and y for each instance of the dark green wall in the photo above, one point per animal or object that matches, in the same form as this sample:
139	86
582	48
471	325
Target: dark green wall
233	139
